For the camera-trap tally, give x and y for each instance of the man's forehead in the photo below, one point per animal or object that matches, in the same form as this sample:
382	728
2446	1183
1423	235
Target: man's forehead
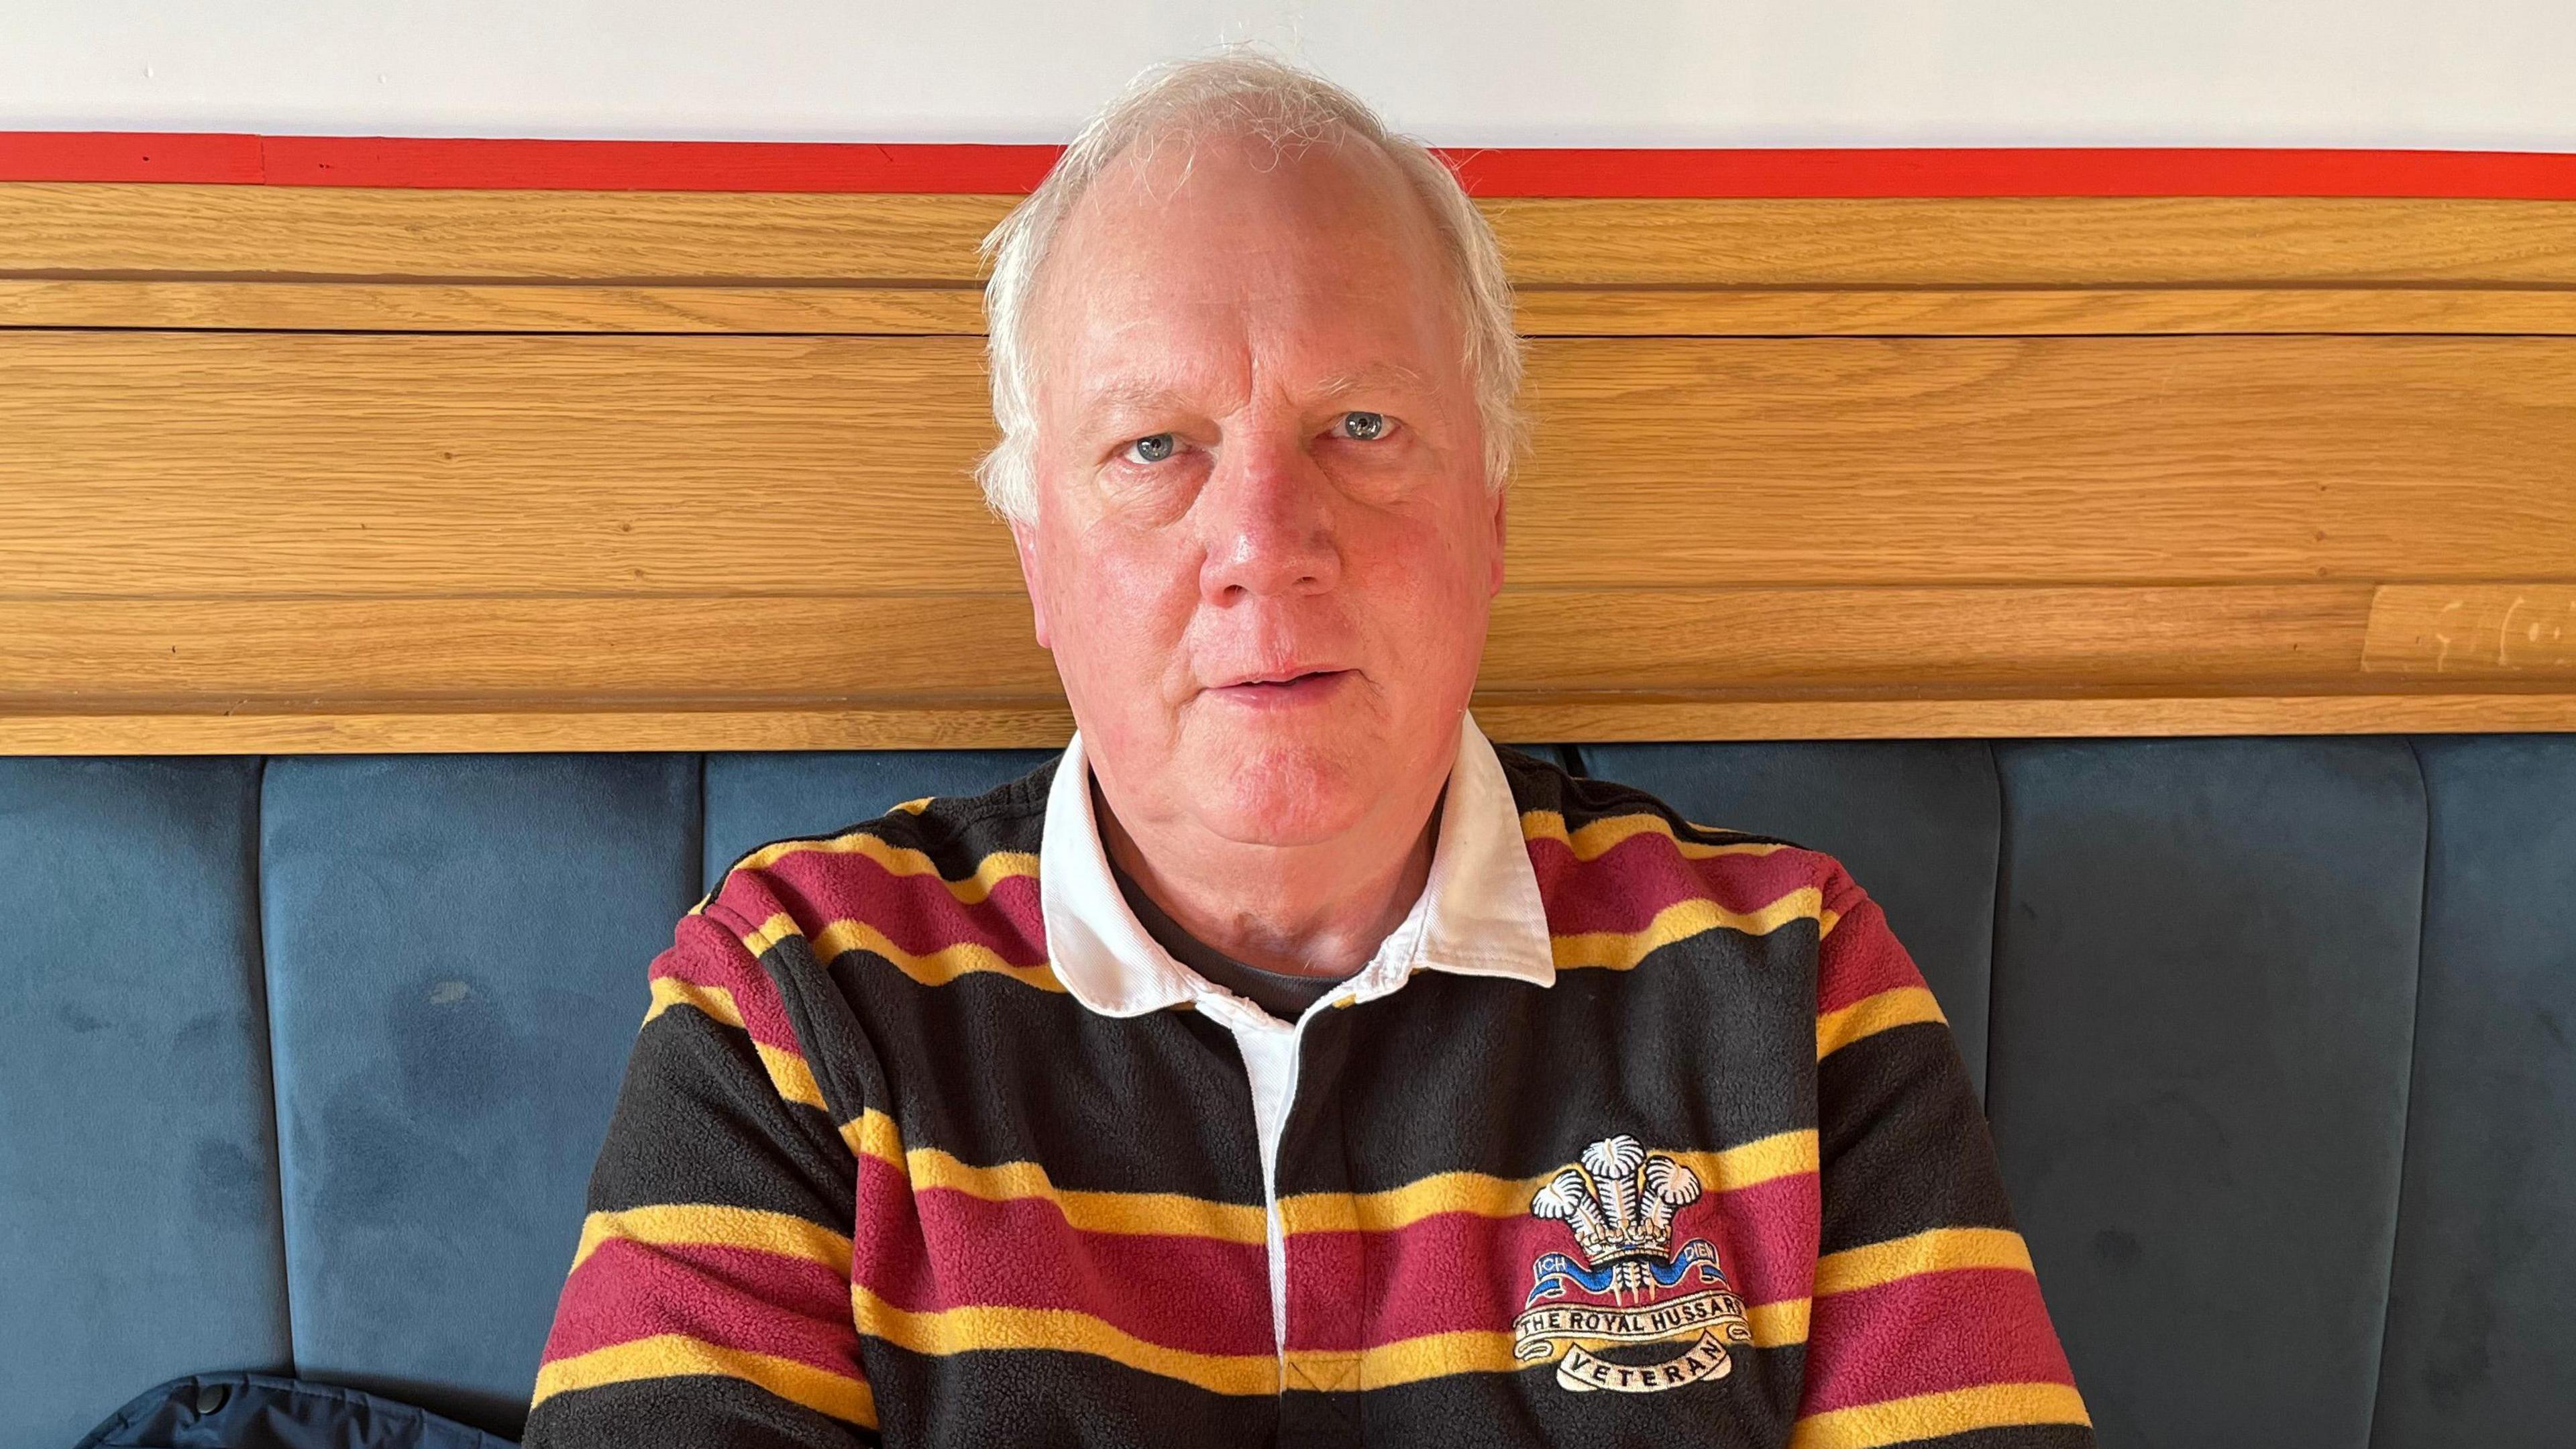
1233	215
1143	392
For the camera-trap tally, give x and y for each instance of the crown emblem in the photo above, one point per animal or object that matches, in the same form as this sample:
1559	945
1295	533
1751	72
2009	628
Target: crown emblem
1622	1203
1620	1200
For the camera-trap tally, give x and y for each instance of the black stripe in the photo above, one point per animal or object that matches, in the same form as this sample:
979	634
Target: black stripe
1706	1045
687	1409
698	1121
1901	1141
985	1397
989	1071
1752	1405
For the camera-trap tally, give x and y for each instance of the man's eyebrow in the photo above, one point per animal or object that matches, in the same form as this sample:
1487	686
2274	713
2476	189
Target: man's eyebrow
1125	397
1145	397
1375	375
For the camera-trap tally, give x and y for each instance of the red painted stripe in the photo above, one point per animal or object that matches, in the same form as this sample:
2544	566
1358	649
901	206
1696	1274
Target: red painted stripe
1929	1333
129	156
731	1297
933	1249
480	164
1454	1272
650	165
2020	171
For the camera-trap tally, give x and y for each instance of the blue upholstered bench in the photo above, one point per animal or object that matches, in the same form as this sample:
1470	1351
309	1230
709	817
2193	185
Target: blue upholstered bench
303	1061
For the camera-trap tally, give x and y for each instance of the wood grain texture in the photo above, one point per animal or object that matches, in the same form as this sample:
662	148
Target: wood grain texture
607	236
803	647
2038	312
252	231
861	309
493	307
415	470
402	465
190	726
2525	630
2028	242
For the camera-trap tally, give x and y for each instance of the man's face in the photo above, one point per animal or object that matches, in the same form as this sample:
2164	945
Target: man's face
1264	551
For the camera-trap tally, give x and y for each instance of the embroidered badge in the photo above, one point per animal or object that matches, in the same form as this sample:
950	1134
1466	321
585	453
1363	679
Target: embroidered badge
1625	1285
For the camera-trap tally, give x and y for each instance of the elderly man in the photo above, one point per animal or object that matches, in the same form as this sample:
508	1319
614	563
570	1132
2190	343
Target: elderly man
1285	1063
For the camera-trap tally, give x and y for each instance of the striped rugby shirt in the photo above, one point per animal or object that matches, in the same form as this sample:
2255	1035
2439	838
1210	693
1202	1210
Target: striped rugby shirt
887	1169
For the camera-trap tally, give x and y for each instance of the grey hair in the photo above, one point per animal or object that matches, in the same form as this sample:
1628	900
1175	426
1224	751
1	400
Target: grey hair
1243	93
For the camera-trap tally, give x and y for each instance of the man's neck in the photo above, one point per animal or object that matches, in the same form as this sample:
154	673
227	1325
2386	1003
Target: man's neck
1314	910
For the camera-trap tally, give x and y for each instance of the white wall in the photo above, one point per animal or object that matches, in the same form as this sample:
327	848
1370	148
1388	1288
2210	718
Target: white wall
2464	73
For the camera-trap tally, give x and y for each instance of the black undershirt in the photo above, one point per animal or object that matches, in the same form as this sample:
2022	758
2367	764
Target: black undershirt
1276	992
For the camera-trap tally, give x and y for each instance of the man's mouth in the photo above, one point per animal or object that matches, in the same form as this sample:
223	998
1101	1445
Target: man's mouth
1284	688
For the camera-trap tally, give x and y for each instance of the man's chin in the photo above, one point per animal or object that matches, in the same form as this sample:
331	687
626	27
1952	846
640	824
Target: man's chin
1287	793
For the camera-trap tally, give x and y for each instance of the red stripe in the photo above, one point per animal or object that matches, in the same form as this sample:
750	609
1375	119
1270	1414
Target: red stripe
720	960
129	156
650	165
2020	171
1930	1333
731	1297
940	1248
1454	1272
916	912
1623	888
1861	959
477	164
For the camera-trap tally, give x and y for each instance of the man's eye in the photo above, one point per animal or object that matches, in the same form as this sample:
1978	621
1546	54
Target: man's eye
1365	427
1151	449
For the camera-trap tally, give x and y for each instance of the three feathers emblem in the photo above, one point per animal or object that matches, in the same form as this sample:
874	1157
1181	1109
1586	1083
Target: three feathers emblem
1620	1200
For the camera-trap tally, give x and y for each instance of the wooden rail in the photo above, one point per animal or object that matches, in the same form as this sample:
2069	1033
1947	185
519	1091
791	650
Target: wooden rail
330	469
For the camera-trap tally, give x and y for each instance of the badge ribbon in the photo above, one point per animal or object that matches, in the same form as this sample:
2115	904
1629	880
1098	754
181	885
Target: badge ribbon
1621	1203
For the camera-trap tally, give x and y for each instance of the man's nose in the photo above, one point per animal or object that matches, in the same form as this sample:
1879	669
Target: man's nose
1266	515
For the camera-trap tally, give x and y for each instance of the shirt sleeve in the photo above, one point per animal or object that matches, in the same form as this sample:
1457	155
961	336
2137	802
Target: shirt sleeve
709	1297
1925	1319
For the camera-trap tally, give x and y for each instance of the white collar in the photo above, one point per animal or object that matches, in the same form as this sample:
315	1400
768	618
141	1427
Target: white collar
1479	913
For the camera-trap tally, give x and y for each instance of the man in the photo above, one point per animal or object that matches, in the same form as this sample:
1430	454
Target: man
1285	1063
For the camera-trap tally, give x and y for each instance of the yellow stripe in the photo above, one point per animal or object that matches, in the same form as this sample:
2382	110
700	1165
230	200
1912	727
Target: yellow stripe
1618	951
1930	1252
873	1134
931	968
714	1001
1168	1213
788	1072
1482	1351
902	860
672	1355
1596	838
1899	1006
1164	1213
962	1330
934	968
1929	1416
714	1226
1429	1356
1783	1155
1777	1325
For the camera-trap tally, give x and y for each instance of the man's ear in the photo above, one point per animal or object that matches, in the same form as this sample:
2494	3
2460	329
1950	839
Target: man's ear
1024	541
1494	584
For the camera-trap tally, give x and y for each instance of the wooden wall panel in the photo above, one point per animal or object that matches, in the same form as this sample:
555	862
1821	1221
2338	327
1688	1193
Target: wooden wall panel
330	469
185	463
602	236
